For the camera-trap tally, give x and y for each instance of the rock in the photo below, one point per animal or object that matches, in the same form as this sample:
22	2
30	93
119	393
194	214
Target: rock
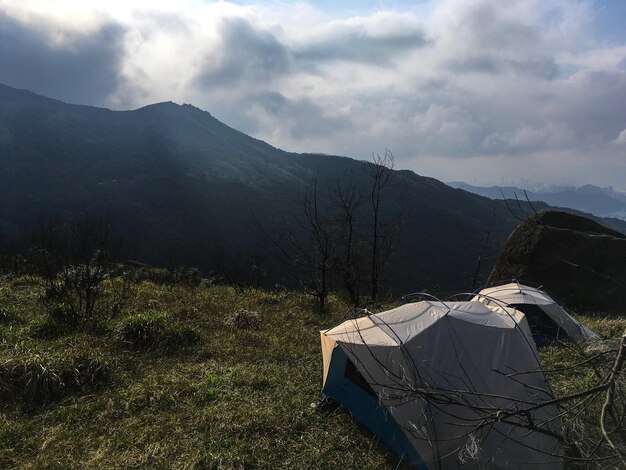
580	262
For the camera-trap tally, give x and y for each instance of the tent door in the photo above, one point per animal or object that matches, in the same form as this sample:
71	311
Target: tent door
544	330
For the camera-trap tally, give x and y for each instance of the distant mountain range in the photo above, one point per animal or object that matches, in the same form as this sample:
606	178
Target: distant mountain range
183	187
603	202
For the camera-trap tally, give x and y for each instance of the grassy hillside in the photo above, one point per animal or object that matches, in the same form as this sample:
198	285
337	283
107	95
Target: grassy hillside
178	380
226	397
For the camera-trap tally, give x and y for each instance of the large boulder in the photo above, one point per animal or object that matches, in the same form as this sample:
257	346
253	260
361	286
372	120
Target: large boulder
580	262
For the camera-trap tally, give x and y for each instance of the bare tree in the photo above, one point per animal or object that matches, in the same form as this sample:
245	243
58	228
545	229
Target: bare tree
308	241
383	225
347	228
484	250
349	261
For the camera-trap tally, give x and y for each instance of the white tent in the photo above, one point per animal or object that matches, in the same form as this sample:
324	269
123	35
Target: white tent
430	377
547	320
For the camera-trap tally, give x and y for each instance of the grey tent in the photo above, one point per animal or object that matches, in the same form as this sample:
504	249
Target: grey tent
436	381
547	320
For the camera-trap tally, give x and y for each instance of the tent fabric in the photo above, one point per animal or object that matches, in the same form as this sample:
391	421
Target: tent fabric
439	370
367	409
518	295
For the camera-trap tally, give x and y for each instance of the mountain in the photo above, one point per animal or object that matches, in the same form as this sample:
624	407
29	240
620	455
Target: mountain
603	202
184	188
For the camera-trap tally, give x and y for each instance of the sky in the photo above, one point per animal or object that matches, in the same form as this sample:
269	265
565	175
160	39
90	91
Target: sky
487	92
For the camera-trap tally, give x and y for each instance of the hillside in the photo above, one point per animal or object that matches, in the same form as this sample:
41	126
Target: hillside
184	188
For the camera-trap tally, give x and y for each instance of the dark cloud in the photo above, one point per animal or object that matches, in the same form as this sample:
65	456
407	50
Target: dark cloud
80	68
246	54
360	46
595	108
492	38
545	68
301	118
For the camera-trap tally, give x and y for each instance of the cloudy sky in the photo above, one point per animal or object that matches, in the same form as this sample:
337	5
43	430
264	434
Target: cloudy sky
475	90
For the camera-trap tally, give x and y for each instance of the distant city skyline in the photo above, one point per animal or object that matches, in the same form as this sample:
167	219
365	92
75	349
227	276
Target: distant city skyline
477	91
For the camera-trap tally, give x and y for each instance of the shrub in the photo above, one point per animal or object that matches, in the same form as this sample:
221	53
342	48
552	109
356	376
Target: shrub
154	275
188	276
242	319
74	260
154	330
191	277
78	299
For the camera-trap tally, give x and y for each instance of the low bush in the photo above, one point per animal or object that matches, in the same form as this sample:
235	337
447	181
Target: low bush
86	304
242	319
154	331
191	277
155	275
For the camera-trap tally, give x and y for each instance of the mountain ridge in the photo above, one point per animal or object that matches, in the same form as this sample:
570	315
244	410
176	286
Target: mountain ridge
182	185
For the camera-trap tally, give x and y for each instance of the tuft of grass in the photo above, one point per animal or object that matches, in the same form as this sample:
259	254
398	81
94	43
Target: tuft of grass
242	319
61	313
154	331
46	328
29	380
606	326
36	381
6	317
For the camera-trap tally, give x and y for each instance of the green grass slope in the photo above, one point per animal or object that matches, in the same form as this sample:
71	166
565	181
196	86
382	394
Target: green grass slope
188	378
230	397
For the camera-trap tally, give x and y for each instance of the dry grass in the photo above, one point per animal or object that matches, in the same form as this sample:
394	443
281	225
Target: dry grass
242	319
235	398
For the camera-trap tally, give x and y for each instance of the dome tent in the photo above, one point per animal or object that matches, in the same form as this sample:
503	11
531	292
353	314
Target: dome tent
429	377
547	320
